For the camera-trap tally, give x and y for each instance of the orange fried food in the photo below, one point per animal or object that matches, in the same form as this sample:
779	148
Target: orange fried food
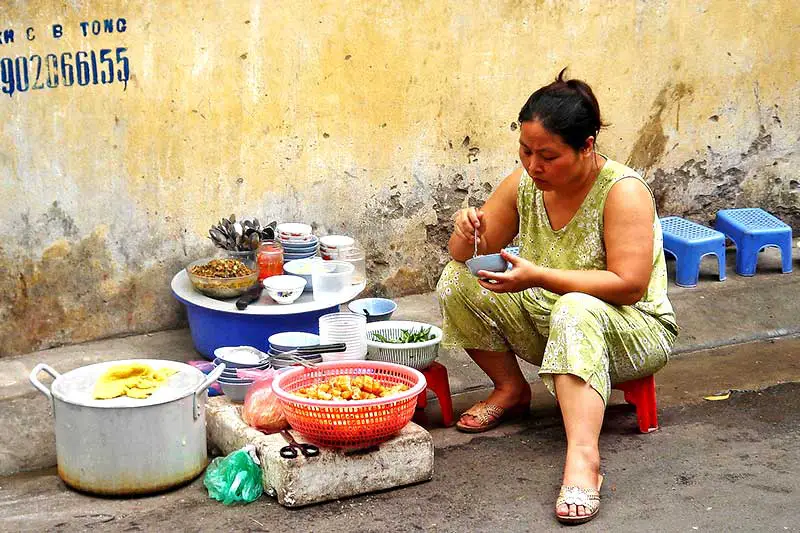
346	387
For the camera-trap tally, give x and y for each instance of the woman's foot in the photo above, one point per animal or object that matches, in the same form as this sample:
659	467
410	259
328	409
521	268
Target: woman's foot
581	470
502	404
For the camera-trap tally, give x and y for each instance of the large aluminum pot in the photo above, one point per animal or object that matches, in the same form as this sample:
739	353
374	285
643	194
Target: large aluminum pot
124	445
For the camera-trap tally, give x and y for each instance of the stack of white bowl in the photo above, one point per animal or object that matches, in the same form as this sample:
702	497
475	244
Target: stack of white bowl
297	240
238	358
330	246
348	328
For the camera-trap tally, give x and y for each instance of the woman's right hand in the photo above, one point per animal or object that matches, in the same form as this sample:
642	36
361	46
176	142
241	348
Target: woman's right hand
467	222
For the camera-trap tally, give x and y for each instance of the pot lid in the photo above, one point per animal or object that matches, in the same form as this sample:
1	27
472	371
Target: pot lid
77	386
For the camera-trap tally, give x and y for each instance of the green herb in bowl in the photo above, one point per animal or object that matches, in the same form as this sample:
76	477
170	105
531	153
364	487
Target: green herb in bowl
407	336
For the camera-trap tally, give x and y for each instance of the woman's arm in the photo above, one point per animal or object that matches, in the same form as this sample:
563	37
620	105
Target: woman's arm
497	222
628	235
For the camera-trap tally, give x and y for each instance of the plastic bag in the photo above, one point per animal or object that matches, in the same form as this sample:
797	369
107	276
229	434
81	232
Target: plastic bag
235	478
262	408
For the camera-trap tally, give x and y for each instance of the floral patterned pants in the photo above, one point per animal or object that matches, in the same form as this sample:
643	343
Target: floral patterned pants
573	334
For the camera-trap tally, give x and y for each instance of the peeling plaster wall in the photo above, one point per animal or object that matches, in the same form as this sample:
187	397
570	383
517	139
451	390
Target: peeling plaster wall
375	119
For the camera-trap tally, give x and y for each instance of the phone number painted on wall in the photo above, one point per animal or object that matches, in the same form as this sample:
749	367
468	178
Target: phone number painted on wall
67	69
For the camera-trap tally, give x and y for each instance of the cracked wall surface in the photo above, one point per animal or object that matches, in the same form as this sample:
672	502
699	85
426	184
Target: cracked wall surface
374	119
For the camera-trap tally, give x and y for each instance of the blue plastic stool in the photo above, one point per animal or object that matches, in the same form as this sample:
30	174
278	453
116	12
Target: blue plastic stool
753	229
689	242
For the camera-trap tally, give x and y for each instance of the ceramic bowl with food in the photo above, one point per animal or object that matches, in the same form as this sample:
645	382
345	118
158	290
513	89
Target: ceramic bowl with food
284	289
490	263
302	268
221	277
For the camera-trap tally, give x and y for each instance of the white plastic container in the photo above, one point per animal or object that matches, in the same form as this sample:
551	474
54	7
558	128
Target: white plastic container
330	278
348	328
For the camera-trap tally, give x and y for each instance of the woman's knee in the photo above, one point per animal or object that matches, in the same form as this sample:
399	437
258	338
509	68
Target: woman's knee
577	306
454	282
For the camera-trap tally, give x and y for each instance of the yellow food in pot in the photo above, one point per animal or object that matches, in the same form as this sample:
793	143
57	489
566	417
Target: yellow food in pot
135	380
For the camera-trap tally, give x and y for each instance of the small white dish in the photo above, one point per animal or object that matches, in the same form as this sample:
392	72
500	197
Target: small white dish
239	356
284	289
336	242
294	229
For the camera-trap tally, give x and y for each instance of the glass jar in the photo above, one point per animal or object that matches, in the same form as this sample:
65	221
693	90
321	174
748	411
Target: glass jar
356	257
248	257
270	259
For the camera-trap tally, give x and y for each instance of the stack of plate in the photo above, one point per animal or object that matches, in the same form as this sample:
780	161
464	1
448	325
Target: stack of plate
281	343
238	358
330	246
348	328
297	240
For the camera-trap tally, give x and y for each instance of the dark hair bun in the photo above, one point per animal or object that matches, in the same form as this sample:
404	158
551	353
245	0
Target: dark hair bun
567	108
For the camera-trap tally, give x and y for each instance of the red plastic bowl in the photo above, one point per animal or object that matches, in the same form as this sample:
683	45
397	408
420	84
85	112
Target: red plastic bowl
349	424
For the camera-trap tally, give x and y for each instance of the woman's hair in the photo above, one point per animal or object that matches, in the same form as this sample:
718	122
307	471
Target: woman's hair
567	108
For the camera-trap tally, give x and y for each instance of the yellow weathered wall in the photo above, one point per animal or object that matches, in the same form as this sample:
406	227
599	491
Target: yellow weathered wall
376	119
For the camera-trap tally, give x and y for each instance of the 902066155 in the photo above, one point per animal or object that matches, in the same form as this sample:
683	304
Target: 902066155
67	69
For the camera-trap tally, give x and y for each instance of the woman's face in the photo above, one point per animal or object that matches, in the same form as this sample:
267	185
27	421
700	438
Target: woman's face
549	161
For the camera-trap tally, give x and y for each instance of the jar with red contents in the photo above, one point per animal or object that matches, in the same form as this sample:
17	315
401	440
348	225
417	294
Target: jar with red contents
270	259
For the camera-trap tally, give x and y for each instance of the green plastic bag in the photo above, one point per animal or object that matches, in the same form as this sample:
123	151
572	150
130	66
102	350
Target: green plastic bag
235	478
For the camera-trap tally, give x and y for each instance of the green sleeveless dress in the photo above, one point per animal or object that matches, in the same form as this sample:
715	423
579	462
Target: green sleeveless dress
573	333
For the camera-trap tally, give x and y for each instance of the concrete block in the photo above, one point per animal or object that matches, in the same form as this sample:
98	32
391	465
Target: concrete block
334	474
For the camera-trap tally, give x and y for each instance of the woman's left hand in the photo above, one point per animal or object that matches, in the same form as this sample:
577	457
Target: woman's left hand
523	275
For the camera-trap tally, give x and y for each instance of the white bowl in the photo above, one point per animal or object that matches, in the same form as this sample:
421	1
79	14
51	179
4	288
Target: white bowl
294	229
284	289
336	242
240	356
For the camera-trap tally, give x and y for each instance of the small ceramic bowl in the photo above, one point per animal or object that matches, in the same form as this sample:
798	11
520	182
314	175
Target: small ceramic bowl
236	392
294	229
302	268
240	356
376	309
284	289
490	263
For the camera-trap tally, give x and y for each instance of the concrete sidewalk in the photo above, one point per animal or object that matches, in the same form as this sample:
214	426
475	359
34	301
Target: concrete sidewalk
715	314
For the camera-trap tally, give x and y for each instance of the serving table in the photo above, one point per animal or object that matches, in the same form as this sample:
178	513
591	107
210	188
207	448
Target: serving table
215	323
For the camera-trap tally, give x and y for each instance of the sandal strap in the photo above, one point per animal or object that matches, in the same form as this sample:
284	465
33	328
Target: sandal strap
588	498
485	412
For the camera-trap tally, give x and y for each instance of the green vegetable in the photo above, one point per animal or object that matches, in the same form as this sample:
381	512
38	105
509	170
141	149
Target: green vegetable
407	336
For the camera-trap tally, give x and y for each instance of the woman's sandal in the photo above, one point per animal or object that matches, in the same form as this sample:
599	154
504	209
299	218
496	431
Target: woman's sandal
489	415
588	498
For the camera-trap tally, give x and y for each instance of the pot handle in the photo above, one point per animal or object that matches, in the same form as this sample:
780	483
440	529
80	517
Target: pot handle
38	384
212	377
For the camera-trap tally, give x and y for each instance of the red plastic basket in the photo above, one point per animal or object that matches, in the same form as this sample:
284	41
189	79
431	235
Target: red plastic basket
349	424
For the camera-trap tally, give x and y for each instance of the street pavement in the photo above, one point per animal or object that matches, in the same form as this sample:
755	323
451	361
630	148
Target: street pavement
730	465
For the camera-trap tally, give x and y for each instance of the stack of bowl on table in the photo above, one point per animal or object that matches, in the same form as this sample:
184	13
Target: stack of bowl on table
238	358
282	344
330	246
297	240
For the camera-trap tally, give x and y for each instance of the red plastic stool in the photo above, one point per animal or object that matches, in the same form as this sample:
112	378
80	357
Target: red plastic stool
436	376
642	394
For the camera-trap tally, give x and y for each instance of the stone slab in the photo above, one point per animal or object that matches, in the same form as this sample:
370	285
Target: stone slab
334	474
